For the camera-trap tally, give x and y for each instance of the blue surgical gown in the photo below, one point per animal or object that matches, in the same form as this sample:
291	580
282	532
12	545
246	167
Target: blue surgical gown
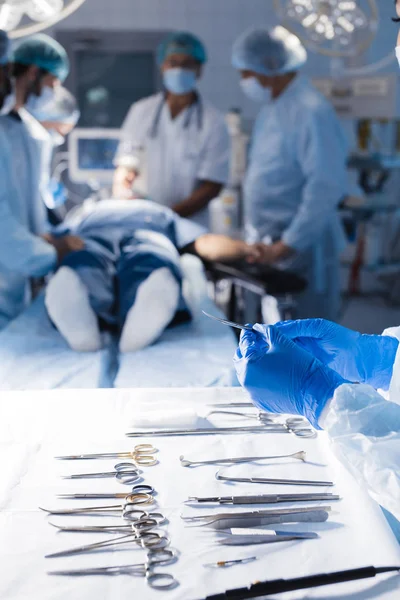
295	180
22	216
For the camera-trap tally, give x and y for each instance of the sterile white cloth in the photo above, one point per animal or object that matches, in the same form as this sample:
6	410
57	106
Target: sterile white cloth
36	426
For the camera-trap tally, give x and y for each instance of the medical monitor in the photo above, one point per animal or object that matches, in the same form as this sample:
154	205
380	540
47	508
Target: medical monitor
91	155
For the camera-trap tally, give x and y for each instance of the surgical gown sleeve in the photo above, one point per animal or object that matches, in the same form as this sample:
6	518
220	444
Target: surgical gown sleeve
20	251
365	432
214	165
321	150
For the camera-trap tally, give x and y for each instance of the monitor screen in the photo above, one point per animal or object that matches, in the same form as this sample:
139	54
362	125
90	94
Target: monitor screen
97	154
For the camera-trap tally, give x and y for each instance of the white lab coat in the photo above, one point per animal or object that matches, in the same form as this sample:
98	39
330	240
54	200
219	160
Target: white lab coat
295	180
182	152
365	431
22	214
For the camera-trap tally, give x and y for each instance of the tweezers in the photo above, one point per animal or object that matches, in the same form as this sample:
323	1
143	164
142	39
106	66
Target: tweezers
264	499
229	323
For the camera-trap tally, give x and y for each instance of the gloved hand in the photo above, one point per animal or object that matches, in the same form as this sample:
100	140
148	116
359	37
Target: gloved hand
356	357
281	377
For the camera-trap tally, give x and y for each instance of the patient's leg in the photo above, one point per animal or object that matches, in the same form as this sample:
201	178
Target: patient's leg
149	292
80	292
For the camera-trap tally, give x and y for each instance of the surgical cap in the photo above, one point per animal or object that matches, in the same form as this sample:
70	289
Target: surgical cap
182	43
44	52
268	52
4	47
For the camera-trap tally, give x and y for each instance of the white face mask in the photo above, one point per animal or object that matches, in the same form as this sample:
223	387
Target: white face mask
398	54
35	104
253	89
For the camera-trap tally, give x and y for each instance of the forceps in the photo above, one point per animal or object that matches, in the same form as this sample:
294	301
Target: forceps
124	472
150	520
271	537
138	490
242	459
263	499
250	520
273	481
229	323
160	581
296	425
142	455
129	507
265	428
146	539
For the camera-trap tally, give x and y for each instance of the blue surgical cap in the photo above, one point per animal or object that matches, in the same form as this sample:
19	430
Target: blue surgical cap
268	52
44	52
4	47
182	43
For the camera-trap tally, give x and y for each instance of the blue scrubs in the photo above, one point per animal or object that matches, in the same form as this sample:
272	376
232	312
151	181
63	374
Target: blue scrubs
125	241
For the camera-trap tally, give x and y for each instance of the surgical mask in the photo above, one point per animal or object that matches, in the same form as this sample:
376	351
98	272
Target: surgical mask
8	103
180	81
253	89
35	104
398	54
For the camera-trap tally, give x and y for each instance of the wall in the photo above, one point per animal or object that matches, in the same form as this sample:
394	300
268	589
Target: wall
218	23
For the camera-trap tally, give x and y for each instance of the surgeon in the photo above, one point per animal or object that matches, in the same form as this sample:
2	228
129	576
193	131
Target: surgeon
179	141
296	175
27	248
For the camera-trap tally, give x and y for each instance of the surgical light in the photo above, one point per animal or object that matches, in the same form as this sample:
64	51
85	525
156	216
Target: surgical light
332	27
26	17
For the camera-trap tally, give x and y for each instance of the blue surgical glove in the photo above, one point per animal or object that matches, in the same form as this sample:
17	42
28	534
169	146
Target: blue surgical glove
356	357
281	377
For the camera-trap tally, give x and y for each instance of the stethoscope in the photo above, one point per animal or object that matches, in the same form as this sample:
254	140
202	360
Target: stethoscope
195	111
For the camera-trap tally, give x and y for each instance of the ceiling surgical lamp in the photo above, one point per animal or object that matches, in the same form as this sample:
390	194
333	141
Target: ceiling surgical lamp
335	28
26	17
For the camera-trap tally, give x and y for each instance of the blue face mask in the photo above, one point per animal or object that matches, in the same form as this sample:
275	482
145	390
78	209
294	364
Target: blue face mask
180	81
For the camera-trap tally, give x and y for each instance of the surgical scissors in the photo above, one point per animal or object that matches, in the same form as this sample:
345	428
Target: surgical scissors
138	490
124	472
229	323
242	459
142	455
146	539
160	581
273	481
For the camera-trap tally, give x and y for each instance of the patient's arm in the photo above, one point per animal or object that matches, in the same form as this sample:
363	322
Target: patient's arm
220	247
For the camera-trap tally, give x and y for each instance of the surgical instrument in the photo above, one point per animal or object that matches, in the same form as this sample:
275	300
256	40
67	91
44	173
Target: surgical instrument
137	490
160	581
265	428
149	539
275	512
249	521
242	459
272	537
297	425
264	499
273	481
280	586
229	323
223	564
156	518
124	509
124	472
142	455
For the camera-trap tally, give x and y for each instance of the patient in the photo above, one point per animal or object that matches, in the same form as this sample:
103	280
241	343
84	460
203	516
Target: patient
128	277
